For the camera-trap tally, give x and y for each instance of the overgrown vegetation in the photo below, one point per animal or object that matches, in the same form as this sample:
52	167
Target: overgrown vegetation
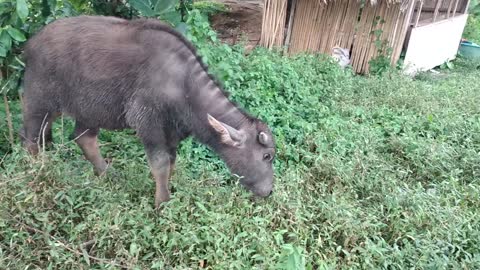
378	172
472	29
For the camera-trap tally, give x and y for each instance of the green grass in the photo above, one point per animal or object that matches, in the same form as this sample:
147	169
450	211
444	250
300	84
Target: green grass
372	173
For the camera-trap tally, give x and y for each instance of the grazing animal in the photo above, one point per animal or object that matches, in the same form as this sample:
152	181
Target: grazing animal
114	74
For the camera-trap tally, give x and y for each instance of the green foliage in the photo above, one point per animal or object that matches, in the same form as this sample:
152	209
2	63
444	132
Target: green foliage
117	8
382	62
152	8
208	7
378	172
474	8
472	29
19	19
447	65
163	9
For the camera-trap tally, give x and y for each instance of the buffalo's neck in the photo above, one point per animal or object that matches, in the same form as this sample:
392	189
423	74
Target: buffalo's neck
206	97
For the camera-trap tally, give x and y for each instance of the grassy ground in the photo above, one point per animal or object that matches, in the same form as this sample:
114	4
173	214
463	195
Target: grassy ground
379	172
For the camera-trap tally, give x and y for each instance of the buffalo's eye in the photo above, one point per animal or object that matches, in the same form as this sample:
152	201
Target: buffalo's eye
267	157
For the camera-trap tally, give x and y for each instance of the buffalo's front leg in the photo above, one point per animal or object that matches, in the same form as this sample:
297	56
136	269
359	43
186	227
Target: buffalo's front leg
87	140
159	162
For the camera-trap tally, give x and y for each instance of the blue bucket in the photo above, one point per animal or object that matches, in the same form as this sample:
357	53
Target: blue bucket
469	49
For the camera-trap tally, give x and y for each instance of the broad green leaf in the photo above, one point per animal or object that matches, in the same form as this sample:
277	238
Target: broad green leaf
5	40
182	28
143	6
3	52
22	9
16	34
172	17
163	6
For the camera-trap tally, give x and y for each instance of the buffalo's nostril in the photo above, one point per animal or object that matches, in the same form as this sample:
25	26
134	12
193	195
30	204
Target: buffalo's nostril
271	191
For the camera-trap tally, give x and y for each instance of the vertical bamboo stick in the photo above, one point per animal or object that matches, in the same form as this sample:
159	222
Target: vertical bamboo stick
290	24
465	10
373	50
419	12
371	47
354	22
455	8
403	31
450	5
437	7
365	36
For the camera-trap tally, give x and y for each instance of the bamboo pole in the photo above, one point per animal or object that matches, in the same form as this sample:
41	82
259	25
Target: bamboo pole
449	10
455	8
465	11
406	23
316	31
279	23
366	36
264	23
335	33
262	34
354	22
352	15
437	7
371	49
327	26
400	19
382	14
302	38
296	28
290	24
419	13
273	16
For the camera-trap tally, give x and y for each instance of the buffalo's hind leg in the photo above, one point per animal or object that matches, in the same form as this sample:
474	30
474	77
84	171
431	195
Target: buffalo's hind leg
37	129
86	138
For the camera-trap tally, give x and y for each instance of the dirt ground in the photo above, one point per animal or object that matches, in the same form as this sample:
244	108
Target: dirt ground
242	21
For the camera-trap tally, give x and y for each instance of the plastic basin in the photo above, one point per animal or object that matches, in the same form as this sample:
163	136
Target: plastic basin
469	49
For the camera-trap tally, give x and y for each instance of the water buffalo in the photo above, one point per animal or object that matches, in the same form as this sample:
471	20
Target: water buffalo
114	74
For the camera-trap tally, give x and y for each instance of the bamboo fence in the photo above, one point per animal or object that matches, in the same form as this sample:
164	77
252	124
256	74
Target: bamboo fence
274	16
319	26
365	28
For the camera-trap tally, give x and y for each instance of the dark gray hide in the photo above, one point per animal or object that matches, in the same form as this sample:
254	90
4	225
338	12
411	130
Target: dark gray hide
111	73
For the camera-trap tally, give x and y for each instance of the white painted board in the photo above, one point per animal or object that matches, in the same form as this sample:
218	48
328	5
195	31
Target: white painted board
433	44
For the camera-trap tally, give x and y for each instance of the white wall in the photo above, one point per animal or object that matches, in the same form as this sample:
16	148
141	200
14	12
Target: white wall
433	44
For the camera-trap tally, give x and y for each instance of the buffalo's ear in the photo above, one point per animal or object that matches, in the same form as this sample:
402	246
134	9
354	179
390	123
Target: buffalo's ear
228	134
263	138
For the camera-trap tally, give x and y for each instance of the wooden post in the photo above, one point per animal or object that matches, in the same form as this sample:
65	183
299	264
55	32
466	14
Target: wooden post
455	8
465	11
419	12
403	33
290	24
449	10
437	7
